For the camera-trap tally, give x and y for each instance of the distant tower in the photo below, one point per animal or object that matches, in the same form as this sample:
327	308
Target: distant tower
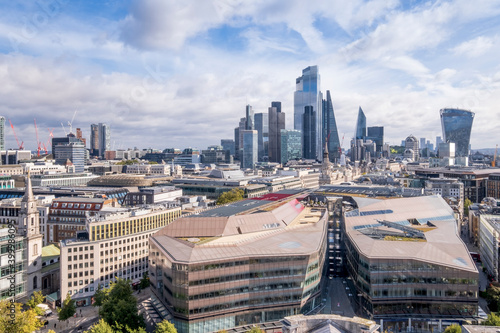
457	126
99	139
411	148
276	124
2	133
309	133
360	133
326	170
29	225
330	131
250	149
291	145
261	122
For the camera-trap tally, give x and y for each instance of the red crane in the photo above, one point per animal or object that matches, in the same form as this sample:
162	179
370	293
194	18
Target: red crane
20	146
38	143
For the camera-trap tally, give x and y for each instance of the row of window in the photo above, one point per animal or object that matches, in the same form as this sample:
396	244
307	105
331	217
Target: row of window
80	282
76	205
81	248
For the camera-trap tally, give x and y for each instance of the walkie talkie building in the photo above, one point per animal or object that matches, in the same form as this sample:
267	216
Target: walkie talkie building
457	126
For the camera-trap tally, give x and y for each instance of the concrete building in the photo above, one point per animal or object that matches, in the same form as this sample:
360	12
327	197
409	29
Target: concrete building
63	179
493	186
51	269
15	156
489	235
113	244
411	149
226	267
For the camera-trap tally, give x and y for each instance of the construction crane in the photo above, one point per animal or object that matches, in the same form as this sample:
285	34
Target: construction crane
38	143
493	163
20	146
70	123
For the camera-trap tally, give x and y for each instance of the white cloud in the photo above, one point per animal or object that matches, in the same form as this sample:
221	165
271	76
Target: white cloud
474	48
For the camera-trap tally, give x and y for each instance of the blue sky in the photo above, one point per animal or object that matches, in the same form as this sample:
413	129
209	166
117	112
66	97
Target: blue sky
166	73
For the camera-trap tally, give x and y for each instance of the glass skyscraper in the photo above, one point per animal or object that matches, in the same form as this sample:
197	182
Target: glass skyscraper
2	133
457	126
99	139
291	145
250	149
360	133
308	93
276	124
330	131
309	133
261	121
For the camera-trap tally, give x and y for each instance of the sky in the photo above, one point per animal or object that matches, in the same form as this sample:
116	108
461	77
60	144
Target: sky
169	73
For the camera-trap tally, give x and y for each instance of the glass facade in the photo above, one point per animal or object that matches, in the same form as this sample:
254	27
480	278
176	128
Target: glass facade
250	149
291	145
376	134
276	124
262	127
330	131
360	125
73	151
457	126
309	133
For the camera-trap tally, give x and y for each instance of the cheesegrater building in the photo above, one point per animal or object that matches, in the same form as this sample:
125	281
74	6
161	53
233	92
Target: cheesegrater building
249	262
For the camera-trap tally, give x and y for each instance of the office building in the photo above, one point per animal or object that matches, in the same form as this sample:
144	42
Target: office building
308	93
276	124
66	140
376	134
225	267
2	133
407	263
73	151
291	145
249	119
99	139
360	133
411	149
457	126
262	127
113	244
250	149
330	132
237	143
309	133
228	144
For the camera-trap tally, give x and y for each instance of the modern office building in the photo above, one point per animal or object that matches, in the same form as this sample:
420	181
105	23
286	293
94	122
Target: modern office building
114	244
250	149
249	119
100	140
15	156
408	264
255	261
411	149
228	144
73	151
66	140
489	246
276	124
262	127
2	133
308	92
291	145
376	134
309	133
457	126
360	133
330	132
237	143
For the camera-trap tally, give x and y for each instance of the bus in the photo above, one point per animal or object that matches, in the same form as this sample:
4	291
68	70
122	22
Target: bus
475	256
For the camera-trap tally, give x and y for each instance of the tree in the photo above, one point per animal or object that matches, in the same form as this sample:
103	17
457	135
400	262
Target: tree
145	281
467	203
36	298
453	328
119	309
255	329
17	321
165	327
493	320
100	327
234	195
68	308
100	296
493	296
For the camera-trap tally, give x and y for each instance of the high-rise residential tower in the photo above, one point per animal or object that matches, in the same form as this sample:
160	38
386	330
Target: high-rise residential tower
99	139
308	92
457	126
276	124
330	131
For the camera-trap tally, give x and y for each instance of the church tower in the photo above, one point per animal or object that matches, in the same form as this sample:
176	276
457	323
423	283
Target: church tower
29	227
326	171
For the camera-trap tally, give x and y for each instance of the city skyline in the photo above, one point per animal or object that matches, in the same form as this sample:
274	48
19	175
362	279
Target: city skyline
163	74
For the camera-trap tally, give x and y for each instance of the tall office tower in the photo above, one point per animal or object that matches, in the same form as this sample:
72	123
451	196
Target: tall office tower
242	126
2	133
438	141
422	144
250	149
228	144
70	138
360	133
79	135
376	134
73	151
276	124
330	131
309	133
261	122
411	148
308	92
249	119
236	143
99	139
291	145
457	126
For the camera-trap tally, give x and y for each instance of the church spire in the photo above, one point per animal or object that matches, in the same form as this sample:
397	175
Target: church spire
28	194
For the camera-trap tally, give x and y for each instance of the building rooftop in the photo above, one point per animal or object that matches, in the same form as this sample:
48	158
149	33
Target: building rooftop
409	219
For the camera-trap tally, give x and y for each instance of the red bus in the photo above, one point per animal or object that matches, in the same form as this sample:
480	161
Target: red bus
476	256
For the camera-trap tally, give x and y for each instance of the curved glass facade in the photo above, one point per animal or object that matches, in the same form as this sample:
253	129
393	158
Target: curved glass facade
457	126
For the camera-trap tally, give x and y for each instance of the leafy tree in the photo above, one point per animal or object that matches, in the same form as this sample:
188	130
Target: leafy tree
100	327
234	195
20	321
493	320
453	328
100	296
68	308
467	203
165	327
493	296
145	281
255	329
119	309
36	298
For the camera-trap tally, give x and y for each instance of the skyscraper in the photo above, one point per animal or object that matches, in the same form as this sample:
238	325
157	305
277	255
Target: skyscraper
360	133
308	92
457	126
330	131
250	149
261	121
249	119
73	151
2	133
376	134
228	144
99	139
309	133
276	124
291	145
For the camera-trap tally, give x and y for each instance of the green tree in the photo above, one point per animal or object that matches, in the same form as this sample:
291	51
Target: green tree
100	296
234	195
453	328
467	203
36	298
145	281
100	327
493	296
119	309
17	321
493	320
165	327
255	329
68	308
